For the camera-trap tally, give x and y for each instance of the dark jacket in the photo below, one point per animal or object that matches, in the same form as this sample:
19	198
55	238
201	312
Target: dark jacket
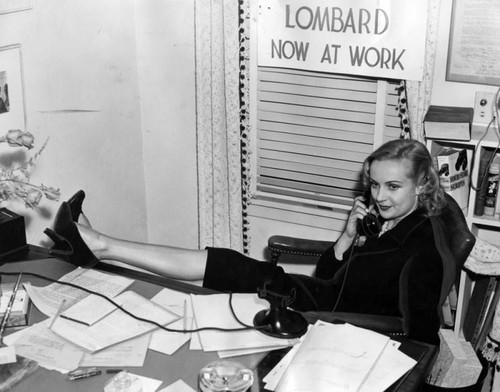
404	256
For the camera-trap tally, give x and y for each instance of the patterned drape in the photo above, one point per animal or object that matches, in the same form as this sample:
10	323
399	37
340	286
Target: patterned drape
218	125
419	93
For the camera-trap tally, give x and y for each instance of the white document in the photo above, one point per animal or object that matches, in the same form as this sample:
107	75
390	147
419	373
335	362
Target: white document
179	303
147	384
48	299
248	351
169	342
89	310
116	327
195	343
391	365
131	353
7	355
40	344
214	311
333	358
178	386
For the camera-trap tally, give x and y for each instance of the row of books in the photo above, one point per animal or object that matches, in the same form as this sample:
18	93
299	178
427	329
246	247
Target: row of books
482	304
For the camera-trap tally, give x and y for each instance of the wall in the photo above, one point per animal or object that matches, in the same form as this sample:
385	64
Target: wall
165	51
128	72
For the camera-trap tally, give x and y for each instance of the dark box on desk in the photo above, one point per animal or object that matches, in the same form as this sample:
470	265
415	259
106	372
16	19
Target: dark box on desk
12	232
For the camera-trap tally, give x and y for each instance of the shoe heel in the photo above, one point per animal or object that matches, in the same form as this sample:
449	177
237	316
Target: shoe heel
69	245
59	243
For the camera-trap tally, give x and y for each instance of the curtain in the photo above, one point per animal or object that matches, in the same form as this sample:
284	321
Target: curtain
419	92
218	126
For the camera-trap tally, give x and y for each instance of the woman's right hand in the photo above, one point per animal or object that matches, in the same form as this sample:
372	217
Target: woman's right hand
359	211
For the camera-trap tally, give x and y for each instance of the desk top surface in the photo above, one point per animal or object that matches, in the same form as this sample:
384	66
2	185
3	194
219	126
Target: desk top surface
170	368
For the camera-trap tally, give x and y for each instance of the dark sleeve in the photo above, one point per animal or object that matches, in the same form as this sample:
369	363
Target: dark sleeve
423	275
328	264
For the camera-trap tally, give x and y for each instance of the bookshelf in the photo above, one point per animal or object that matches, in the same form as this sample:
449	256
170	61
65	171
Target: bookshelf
484	227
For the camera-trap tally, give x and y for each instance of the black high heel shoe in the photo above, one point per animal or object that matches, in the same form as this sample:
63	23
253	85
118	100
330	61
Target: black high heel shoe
68	243
75	204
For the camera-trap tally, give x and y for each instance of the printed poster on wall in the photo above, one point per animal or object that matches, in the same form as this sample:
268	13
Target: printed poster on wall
380	38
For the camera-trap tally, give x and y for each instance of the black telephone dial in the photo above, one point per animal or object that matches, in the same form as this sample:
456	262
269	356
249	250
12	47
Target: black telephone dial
370	225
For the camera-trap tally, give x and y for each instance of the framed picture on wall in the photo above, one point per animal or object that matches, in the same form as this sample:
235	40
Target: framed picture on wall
12	104
474	46
7	6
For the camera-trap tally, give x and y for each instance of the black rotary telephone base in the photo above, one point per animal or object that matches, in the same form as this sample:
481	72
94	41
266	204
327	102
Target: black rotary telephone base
280	323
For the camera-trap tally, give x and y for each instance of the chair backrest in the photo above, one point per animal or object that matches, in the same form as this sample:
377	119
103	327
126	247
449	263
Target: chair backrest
459	237
457	245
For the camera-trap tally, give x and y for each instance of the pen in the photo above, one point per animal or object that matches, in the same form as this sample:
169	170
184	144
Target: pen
84	374
75	320
185	315
111	371
6	315
58	313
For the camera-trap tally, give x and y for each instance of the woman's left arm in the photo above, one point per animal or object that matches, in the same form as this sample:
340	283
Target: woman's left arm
424	275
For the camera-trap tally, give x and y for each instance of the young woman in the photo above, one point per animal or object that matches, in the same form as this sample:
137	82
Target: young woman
357	274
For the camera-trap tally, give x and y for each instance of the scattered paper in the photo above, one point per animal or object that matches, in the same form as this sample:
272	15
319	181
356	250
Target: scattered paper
195	343
391	365
388	367
89	310
116	327
131	353
40	344
169	342
148	384
178	386
48	299
7	355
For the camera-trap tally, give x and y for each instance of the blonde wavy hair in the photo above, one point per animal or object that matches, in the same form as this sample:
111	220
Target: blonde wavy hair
431	198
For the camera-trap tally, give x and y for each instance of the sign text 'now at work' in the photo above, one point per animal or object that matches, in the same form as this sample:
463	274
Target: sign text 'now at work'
383	38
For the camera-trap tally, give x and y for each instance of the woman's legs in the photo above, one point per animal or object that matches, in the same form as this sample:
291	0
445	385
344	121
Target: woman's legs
178	263
221	269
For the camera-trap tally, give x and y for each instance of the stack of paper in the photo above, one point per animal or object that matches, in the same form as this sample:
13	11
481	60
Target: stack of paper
340	358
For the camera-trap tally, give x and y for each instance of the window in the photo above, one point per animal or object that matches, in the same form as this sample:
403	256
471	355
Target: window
314	130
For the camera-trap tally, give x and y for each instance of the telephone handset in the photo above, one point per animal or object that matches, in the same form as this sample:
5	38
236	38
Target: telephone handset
370	225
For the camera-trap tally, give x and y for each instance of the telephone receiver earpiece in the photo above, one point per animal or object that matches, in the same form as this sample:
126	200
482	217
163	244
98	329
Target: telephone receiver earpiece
370	225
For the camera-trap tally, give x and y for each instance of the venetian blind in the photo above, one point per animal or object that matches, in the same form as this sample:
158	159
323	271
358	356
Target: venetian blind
314	130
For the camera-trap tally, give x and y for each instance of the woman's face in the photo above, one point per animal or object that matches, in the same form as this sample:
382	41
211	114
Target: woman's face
393	190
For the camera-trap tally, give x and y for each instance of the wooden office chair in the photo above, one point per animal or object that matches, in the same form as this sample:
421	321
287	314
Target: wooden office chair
457	244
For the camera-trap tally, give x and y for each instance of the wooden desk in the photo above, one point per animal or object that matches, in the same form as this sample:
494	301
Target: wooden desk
171	368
